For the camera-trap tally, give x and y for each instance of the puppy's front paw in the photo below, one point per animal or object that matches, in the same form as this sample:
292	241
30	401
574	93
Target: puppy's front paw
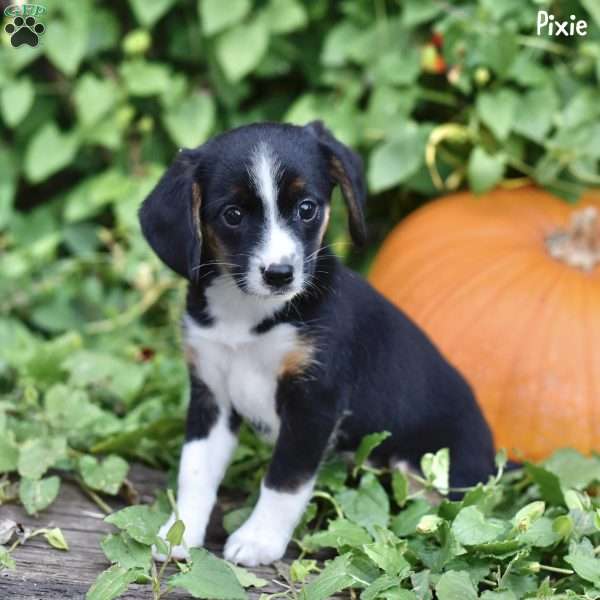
191	539
251	546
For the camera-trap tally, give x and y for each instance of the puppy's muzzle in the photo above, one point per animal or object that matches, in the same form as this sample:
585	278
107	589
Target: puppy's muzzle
278	275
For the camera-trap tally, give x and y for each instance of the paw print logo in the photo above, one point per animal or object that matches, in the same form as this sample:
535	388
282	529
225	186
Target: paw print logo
24	31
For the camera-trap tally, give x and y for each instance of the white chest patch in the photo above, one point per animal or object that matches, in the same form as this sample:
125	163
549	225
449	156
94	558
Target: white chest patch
239	366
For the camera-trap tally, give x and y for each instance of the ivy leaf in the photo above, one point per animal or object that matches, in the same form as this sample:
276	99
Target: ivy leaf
148	13
332	579
470	527
106	476
16	100
94	98
37	494
366	446
453	585
340	532
485	170
537	108
9	454
144	78
436	468
549	484
284	16
140	522
56	539
581	557
215	19
209	577
190	121
368	505
49	151
65	43
112	583
396	160
497	111
37	455
126	552
241	48
246	578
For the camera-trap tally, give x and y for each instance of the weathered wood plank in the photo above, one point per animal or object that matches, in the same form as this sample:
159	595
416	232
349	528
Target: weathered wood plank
44	573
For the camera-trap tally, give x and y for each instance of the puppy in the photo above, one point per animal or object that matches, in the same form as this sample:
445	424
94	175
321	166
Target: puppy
281	334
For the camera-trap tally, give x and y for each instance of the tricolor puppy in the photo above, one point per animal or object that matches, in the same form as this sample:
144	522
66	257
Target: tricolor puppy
281	334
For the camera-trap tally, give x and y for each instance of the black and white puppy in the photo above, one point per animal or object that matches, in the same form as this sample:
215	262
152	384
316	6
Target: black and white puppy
281	334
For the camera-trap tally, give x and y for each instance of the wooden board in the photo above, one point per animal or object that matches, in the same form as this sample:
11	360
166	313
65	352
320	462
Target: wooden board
44	573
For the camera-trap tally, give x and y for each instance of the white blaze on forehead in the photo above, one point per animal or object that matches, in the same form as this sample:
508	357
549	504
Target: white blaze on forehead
278	244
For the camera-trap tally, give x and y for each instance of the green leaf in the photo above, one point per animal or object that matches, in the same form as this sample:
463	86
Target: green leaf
436	468
16	100
406	521
284	16
56	539
6	560
497	111
126	552
9	454
332	579
246	578
540	534
37	494
94	98
366	446
387	587
190	121
368	505
140	522
399	487
209	577
106	476
485	170
396	160
581	557
37	455
548	483
301	568
593	9
48	151
148	13
65	43
340	532
455	585
470	527
175	533
573	469
216	17
536	111
240	49
111	583
144	78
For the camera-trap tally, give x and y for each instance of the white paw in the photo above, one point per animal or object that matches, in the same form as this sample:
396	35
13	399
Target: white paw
192	538
251	546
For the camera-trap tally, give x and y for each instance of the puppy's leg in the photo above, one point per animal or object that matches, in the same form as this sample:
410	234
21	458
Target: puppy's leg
288	485
210	442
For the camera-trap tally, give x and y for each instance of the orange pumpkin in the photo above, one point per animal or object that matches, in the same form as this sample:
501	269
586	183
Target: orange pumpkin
508	286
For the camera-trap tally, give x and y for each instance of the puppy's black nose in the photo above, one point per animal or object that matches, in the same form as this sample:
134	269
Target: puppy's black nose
278	275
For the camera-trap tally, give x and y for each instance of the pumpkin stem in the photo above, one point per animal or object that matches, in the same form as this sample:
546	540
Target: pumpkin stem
579	244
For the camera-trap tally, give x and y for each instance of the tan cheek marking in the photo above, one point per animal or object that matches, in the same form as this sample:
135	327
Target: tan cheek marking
297	360
191	356
297	184
213	242
324	224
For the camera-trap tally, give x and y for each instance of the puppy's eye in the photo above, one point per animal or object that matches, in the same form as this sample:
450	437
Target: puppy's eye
233	216
307	210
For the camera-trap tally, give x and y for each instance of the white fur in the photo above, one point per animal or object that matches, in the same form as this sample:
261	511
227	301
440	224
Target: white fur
264	537
201	468
239	366
278	244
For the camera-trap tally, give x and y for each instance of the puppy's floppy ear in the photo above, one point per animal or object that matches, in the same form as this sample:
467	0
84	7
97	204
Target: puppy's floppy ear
346	169
170	216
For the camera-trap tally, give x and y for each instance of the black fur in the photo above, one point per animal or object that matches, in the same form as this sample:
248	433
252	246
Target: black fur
373	368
